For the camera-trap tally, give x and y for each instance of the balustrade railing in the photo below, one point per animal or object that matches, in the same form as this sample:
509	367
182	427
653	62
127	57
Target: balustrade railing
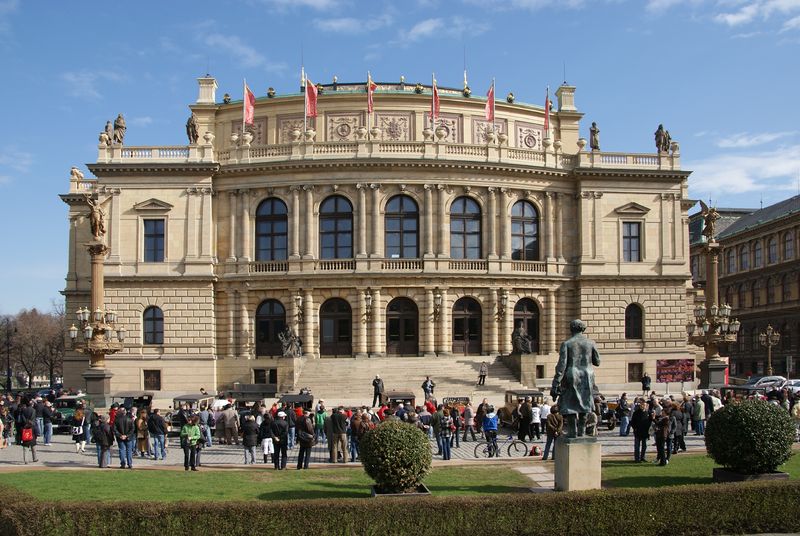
336	265
528	266
473	265
262	267
401	264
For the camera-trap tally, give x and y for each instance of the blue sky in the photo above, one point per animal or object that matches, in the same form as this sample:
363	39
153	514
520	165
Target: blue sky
722	75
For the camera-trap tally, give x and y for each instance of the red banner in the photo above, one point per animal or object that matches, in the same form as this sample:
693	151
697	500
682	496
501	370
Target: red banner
674	370
311	99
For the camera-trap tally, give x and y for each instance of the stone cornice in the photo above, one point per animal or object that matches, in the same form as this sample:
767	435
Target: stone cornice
612	173
154	168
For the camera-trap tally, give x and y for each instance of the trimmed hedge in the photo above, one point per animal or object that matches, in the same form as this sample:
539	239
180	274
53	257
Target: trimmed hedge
753	507
396	455
750	437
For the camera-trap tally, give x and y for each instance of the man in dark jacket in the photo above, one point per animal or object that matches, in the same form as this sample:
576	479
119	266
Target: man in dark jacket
158	431
339	425
525	417
125	433
48	415
377	390
250	439
680	430
280	439
646	381
291	420
305	432
640	422
103	438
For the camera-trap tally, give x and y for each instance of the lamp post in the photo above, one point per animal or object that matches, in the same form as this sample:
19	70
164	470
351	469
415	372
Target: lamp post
8	352
769	338
713	324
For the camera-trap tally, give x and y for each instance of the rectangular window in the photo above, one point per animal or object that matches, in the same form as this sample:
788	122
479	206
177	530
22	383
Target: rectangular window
539	372
260	375
631	241
635	372
154	240
152	380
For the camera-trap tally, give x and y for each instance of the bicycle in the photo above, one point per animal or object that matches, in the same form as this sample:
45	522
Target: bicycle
516	448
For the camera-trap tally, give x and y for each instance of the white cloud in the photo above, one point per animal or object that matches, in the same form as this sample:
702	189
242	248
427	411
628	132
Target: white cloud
454	27
241	52
753	10
84	84
745	139
141	121
424	28
15	160
774	170
530	5
313	4
658	6
791	24
350	25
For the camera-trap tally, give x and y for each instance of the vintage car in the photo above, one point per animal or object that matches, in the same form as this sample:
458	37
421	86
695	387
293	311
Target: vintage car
606	410
133	399
456	402
65	406
396	396
306	400
196	404
512	399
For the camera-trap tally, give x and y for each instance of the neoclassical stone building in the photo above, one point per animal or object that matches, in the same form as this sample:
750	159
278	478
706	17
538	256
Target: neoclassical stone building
397	240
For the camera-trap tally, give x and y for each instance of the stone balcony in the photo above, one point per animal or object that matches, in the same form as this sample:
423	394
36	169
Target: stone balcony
552	157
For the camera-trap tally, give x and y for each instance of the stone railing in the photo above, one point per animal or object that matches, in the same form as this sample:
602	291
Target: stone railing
263	267
528	266
432	266
82	186
401	264
123	154
337	265
476	265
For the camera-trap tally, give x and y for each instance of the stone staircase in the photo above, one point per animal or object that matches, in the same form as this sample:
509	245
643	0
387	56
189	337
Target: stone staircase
348	381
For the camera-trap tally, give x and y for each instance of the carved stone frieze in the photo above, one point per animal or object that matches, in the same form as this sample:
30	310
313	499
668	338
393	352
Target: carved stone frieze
451	123
342	127
287	124
480	127
394	126
529	136
258	130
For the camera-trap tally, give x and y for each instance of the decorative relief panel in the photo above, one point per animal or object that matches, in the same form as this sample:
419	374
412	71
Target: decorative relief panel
452	125
288	123
529	136
342	127
480	127
259	130
394	126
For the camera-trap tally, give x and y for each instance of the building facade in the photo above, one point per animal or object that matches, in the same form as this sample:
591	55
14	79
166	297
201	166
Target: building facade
381	236
760	279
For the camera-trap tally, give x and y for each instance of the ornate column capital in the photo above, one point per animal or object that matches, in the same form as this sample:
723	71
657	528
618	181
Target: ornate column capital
308	187
375	186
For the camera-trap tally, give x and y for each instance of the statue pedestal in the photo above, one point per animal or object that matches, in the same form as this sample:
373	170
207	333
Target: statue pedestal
577	462
98	386
712	373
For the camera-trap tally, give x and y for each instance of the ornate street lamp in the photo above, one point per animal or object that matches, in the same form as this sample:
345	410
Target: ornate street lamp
368	305
768	339
437	303
298	307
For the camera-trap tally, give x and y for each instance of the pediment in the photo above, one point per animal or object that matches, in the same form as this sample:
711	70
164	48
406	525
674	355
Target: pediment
632	209
153	205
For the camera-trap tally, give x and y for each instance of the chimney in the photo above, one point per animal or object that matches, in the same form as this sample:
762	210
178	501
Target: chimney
566	98
208	89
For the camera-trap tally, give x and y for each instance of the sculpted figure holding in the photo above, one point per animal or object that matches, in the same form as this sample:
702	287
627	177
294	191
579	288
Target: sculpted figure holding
574	378
660	137
710	216
521	341
96	218
119	129
291	344
191	129
594	137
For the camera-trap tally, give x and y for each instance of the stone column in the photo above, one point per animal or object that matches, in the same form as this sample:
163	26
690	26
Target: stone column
244	255
664	227
376	338
72	272
361	347
231	226
550	217
493	319
560	199
551	321
491	242
445	343
505	222
309	325
231	302
584	225
309	238
376	213
190	251
677	228
295	252
362	220
206	224
245	329
116	231
598	226
443	234
506	327
428	326
428	221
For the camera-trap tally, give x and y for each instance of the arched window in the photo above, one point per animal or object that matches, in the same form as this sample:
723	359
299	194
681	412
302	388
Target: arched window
757	257
772	250
633	321
153	324
742	340
731	261
524	232
402	228
465	229
756	299
786	288
744	258
336	228
788	246
754	338
742	303
271	230
770	290
270	322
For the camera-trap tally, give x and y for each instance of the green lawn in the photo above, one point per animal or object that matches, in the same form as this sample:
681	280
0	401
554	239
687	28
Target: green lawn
682	469
267	484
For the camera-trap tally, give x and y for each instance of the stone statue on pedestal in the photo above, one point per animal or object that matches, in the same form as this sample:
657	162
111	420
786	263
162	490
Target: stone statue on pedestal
191	129
521	341
710	216
96	218
594	137
119	130
291	344
574	378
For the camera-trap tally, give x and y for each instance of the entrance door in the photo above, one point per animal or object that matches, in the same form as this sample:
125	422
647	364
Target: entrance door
270	321
336	318
402	318
467	327
526	312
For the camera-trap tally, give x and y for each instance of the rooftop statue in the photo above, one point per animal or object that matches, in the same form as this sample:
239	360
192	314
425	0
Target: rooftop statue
594	137
191	129
710	216
574	378
119	130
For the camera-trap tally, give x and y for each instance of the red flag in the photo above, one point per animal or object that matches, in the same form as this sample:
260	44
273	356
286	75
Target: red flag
489	112
371	87
311	99
434	102
249	105
547	113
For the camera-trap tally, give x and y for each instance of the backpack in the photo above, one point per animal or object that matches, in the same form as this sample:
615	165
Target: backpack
211	421
27	434
320	418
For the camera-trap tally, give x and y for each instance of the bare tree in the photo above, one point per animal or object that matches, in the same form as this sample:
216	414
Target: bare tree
31	338
53	356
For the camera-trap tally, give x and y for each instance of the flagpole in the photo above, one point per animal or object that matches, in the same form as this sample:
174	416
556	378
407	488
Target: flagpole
433	97
244	102
305	99
494	101
369	90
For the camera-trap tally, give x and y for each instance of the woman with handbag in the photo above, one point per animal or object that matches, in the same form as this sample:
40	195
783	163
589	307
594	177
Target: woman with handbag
28	440
142	434
306	438
78	433
190	435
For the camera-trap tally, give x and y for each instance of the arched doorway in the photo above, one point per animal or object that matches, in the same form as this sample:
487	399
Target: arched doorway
270	321
402	320
336	319
467	327
526	312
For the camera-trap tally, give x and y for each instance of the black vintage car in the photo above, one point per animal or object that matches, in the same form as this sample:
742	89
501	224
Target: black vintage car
305	400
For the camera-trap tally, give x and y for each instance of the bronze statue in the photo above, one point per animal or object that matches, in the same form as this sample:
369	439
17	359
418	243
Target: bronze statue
521	341
191	129
119	130
574	378
710	216
96	218
291	344
594	137
661	137
667	141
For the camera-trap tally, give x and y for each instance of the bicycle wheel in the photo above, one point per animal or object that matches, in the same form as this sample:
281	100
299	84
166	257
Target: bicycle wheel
483	450
518	449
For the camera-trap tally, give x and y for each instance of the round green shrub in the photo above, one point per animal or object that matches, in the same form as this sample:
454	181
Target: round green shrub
750	437
396	455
